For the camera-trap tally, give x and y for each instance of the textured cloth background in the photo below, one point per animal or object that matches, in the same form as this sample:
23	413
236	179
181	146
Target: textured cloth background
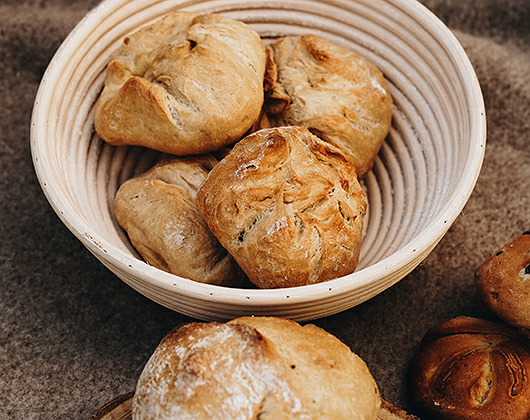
73	336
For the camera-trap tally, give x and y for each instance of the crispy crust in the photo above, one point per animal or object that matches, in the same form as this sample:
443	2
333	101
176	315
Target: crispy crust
287	206
250	368
340	96
472	369
187	84
158	211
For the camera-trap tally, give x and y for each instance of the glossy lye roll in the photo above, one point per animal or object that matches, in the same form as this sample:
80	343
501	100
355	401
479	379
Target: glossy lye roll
254	368
472	369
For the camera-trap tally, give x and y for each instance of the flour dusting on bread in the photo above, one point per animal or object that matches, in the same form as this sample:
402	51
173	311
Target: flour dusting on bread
254	368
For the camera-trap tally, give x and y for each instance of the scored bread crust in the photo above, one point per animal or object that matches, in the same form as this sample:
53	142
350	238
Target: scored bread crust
254	368
157	210
472	369
287	206
187	84
337	94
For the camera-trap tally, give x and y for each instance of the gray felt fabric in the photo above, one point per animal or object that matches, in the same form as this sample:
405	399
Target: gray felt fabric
73	336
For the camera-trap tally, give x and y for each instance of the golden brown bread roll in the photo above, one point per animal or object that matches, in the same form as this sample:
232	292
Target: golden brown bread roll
187	84
287	206
157	209
254	368
503	282
472	369
338	95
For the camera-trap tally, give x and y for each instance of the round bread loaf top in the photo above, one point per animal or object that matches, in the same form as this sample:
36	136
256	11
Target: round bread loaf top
254	367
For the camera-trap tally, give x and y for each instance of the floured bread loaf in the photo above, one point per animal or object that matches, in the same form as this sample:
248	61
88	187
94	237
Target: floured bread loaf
503	281
472	369
287	206
338	95
157	209
187	84
254	368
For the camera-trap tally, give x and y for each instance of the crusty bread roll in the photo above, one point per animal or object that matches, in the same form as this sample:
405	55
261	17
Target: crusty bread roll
254	368
503	282
472	369
157	209
187	84
338	95
287	206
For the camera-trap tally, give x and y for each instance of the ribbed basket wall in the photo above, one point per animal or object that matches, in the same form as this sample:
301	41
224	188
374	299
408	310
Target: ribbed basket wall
421	180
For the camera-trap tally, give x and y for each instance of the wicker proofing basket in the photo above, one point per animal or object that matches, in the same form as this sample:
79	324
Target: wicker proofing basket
421	180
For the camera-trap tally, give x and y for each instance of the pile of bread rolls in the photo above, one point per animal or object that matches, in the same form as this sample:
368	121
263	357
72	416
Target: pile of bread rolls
268	143
470	368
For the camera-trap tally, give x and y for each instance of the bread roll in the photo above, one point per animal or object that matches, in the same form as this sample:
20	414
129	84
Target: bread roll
186	84
503	282
338	95
254	368
157	209
287	206
472	369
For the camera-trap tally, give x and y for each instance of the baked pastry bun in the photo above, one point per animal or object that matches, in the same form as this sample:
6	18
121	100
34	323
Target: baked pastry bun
335	93
287	206
157	209
503	282
187	84
254	368
472	369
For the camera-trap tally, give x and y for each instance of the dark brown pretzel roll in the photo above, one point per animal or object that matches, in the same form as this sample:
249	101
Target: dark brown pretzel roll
469	368
503	282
